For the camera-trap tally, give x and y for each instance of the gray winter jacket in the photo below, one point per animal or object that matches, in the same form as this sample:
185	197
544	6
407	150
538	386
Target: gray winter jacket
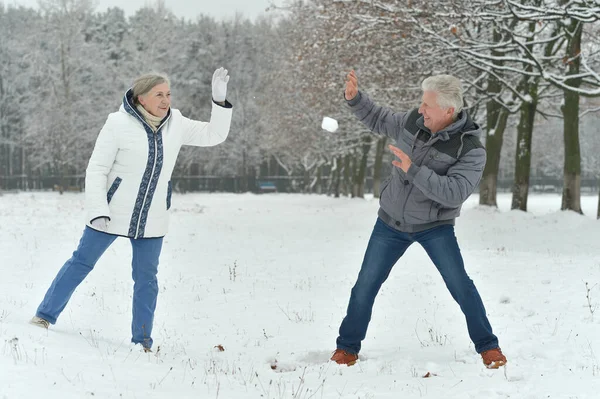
446	166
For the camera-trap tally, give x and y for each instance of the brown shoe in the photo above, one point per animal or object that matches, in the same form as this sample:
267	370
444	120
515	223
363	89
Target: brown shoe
493	358
340	356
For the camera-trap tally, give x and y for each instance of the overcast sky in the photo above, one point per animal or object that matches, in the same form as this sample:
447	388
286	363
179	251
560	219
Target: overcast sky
219	9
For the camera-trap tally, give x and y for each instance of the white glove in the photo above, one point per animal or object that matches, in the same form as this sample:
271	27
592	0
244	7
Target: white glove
219	85
100	224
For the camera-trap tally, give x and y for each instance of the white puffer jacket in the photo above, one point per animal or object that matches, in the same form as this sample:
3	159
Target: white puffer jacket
128	178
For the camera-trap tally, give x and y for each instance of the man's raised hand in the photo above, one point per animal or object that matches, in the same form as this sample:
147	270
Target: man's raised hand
351	85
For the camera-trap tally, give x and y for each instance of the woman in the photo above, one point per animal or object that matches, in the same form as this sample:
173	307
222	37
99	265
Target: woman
128	191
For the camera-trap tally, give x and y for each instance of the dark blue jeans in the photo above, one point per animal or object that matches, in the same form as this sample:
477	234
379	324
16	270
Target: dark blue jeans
92	245
386	246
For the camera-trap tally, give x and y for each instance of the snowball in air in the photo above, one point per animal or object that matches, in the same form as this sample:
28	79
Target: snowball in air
329	124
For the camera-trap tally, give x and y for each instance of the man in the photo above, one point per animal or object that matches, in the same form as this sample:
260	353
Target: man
440	162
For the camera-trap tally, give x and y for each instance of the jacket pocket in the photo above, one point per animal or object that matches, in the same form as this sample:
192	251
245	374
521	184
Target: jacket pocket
419	209
113	189
438	162
169	191
448	213
385	185
434	212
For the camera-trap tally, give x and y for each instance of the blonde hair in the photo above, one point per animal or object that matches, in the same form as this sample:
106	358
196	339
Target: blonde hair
143	84
449	91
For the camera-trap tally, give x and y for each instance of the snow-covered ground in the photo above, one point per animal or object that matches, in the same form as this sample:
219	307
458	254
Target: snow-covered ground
268	277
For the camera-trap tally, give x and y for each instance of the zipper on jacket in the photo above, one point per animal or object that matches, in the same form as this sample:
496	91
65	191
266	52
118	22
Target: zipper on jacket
137	227
413	186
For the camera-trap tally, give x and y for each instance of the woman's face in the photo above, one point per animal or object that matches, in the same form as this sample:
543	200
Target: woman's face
157	101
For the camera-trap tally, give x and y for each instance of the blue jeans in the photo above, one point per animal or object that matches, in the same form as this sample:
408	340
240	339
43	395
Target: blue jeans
386	246
92	245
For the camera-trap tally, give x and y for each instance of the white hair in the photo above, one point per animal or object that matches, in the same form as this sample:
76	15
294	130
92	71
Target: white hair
143	84
448	89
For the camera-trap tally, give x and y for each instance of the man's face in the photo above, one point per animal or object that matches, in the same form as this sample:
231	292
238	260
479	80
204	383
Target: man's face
436	118
157	101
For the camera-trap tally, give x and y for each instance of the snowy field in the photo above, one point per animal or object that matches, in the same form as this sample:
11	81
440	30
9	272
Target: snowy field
268	278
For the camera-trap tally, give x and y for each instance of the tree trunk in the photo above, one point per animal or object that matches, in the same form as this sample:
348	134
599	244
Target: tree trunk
353	172
306	181
24	180
10	160
571	196
3	133
320	180
332	173
523	155
243	173
347	187
528	86
380	148
497	116
494	138
598	212
63	183
337	177
361	170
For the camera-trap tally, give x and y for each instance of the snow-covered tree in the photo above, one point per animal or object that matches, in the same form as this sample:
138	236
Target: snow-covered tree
535	34
200	45
62	124
329	38
15	65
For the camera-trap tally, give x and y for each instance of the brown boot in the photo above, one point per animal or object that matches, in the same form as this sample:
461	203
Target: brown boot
340	356
493	358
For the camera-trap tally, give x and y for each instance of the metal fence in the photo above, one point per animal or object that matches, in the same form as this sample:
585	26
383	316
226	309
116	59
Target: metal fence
237	184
